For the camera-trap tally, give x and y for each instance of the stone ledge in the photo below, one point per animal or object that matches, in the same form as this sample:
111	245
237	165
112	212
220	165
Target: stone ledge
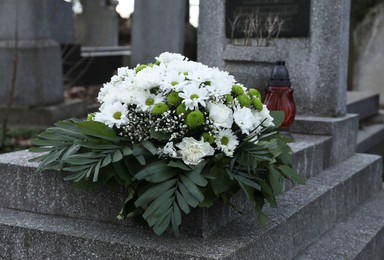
44	116
365	104
360	236
304	214
342	129
48	193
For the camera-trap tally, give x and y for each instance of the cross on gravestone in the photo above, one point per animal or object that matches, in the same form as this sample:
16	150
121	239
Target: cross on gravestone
317	60
39	79
158	26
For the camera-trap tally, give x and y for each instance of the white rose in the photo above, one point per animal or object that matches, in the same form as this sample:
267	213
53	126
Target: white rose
193	151
221	115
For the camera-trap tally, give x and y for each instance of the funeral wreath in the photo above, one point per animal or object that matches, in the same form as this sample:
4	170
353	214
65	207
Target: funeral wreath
177	135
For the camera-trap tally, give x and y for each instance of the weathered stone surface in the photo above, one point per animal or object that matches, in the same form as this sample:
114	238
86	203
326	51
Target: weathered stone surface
31	25
158	26
47	193
61	23
38	64
371	139
342	129
360	236
363	103
44	116
317	64
304	214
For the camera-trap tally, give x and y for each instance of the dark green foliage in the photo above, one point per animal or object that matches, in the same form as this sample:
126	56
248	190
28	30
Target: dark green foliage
161	190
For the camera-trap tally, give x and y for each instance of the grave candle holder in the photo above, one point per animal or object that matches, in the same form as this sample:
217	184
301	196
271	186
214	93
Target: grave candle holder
279	94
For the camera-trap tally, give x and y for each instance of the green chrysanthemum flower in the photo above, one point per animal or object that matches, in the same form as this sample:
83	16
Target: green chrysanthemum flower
228	98
194	119
237	90
208	138
181	109
140	67
159	109
244	100
173	99
254	93
91	117
256	102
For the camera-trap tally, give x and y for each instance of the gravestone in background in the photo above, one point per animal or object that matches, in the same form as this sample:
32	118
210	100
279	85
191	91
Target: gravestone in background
38	94
60	20
317	60
38	80
369	53
158	26
97	25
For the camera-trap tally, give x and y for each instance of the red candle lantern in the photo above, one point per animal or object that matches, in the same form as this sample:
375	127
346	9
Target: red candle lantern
279	94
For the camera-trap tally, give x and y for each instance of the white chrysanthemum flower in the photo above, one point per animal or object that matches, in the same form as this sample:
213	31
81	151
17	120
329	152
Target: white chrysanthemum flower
167	57
221	115
149	77
172	81
201	74
245	119
226	141
218	88
170	150
184	67
108	94
146	101
193	151
112	115
192	95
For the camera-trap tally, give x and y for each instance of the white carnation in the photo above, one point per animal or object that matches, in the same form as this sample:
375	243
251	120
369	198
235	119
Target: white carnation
193	151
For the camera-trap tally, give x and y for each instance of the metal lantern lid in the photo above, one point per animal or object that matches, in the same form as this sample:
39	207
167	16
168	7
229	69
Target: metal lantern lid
279	75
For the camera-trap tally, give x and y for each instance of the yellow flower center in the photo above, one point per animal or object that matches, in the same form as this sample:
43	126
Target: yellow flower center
224	140
117	115
194	96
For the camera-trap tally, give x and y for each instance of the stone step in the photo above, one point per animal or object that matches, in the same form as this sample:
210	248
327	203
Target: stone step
359	236
365	104
370	137
24	189
304	214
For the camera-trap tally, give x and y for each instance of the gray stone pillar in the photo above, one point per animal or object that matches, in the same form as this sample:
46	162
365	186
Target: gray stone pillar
60	20
158	26
317	63
39	74
98	25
